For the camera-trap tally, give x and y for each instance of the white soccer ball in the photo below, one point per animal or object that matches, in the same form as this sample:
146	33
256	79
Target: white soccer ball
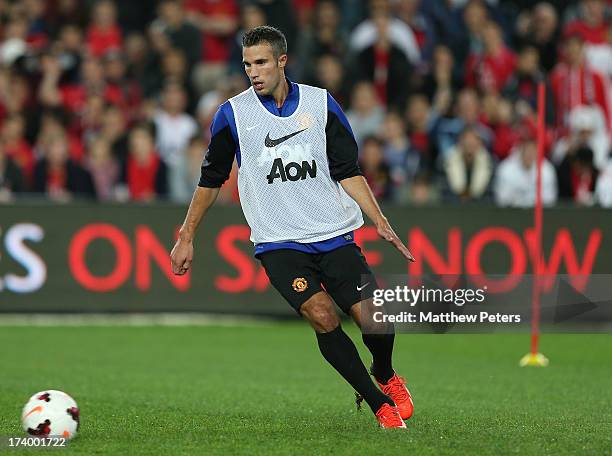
51	413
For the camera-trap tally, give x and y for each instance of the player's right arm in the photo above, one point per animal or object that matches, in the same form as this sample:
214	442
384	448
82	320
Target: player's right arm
216	168
182	253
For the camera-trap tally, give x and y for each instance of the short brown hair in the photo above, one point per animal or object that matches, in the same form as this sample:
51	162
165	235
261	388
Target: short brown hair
266	34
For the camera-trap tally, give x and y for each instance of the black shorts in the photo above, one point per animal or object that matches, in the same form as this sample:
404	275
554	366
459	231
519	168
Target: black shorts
343	273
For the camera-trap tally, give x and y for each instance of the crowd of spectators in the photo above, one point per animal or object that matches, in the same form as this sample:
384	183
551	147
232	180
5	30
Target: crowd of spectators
113	100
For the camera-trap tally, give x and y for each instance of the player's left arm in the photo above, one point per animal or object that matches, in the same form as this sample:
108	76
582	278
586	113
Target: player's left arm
342	155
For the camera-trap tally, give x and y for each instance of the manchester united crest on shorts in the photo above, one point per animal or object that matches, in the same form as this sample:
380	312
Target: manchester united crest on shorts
299	284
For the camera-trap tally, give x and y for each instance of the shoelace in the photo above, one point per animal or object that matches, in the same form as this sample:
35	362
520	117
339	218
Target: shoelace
397	389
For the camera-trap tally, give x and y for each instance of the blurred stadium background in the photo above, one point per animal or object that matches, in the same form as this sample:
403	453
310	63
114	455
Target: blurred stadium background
112	101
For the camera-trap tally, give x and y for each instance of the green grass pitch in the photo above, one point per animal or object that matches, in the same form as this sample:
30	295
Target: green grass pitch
264	389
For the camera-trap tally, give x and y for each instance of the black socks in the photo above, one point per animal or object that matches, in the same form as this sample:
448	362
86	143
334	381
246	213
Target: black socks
339	351
381	347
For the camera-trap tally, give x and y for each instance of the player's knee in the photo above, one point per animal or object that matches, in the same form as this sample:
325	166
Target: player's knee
320	312
326	321
362	313
355	312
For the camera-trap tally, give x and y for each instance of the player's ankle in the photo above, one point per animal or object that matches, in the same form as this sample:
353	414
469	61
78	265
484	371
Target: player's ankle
375	405
383	375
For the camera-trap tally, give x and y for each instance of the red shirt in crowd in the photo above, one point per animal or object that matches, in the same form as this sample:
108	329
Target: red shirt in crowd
419	140
504	139
381	72
583	184
141	177
37	40
56	179
489	72
573	87
214	48
304	9
592	35
75	148
74	96
22	154
379	181
101	40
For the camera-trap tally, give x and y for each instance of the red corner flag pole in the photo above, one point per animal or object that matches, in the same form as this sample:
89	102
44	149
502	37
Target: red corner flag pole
534	357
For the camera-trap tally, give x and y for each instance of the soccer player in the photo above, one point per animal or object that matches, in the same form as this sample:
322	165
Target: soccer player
302	193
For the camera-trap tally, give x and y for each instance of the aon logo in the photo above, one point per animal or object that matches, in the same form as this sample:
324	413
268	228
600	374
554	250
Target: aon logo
291	171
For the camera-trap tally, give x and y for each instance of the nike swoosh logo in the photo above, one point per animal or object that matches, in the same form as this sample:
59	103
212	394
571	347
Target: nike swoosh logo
35	409
269	142
251	127
362	287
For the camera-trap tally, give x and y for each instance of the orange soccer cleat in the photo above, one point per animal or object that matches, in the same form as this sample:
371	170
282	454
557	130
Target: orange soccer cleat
397	391
389	417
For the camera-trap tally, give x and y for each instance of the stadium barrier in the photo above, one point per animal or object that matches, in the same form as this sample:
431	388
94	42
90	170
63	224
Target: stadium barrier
115	258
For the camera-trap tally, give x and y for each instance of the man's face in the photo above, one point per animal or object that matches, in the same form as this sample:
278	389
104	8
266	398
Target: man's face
141	144
529	152
371	155
474	16
418	110
174	99
172	13
57	152
92	71
470	144
573	50
545	20
263	69
329	71
595	10
467	106
443	57
491	36
528	61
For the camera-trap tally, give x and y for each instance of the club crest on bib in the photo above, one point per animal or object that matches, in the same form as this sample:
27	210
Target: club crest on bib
305	120
300	284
